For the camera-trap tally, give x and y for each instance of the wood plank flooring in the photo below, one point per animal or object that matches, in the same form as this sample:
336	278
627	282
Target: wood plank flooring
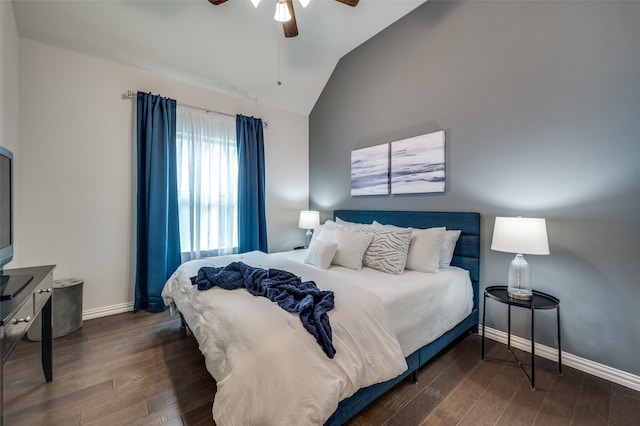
142	369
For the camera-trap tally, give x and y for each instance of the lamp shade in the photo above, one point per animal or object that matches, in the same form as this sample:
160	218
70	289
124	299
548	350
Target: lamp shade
309	219
525	235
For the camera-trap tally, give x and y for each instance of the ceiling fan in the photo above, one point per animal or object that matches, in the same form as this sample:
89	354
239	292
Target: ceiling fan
286	15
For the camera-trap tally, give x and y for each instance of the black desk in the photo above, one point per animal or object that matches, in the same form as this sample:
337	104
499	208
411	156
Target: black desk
539	300
17	314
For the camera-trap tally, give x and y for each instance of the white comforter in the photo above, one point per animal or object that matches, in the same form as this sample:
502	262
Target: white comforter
269	370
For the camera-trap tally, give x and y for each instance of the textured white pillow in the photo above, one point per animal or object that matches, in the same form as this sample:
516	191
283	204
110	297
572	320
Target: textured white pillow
424	250
351	248
321	254
448	247
388	250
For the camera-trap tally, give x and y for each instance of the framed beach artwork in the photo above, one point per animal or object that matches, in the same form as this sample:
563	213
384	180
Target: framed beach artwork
370	170
417	164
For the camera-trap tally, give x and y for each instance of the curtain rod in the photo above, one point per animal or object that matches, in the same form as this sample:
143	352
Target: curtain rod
132	94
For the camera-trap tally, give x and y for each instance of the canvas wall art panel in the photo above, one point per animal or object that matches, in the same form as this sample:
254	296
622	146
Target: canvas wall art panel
370	170
417	164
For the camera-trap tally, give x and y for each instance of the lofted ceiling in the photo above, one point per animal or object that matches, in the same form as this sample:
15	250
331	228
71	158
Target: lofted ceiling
232	48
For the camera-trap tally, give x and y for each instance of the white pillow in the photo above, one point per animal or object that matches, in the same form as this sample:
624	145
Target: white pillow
326	232
316	232
377	224
388	250
350	225
424	250
448	247
321	254
351	248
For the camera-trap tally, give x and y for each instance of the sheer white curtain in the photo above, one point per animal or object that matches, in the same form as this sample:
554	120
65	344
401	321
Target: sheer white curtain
207	183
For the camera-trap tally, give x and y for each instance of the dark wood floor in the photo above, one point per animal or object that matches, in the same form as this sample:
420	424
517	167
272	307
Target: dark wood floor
141	369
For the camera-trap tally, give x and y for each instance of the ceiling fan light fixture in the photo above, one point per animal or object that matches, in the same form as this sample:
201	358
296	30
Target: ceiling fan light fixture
304	3
255	3
282	12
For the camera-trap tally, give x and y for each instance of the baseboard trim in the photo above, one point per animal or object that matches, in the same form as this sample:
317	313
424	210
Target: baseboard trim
108	310
604	372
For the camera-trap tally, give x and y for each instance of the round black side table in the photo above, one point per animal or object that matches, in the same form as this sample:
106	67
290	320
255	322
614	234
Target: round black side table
539	300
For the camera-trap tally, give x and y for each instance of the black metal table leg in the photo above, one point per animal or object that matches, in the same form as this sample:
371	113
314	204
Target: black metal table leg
509	330
559	344
533	349
484	316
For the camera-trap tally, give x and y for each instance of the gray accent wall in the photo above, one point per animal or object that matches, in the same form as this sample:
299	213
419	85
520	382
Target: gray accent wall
540	104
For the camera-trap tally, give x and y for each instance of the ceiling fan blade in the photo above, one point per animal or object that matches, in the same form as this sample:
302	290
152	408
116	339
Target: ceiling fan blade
217	2
352	3
290	27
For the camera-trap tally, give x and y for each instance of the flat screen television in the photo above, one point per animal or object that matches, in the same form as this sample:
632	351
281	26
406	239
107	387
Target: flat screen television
10	284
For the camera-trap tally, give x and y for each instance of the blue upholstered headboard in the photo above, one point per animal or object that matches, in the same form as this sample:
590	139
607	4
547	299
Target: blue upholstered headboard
467	252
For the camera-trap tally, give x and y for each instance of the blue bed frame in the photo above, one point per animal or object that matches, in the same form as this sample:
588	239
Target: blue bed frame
466	255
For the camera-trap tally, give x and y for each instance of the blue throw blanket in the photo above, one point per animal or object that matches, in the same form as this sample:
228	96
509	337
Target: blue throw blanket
282	287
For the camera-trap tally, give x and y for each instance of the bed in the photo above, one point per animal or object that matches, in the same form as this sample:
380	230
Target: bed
271	371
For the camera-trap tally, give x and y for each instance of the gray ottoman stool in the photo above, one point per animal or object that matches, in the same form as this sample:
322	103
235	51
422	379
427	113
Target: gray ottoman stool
66	307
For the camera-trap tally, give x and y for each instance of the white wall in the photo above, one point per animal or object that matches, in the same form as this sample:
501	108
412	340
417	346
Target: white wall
8	78
76	199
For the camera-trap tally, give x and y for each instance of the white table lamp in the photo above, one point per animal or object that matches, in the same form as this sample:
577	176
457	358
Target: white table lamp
520	235
309	220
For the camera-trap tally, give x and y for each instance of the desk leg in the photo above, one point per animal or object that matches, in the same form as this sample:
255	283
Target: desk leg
1	388
559	344
533	350
47	340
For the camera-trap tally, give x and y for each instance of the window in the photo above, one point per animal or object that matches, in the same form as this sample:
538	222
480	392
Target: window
207	183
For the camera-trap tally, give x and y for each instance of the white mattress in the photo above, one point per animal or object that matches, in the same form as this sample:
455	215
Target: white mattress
421	306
